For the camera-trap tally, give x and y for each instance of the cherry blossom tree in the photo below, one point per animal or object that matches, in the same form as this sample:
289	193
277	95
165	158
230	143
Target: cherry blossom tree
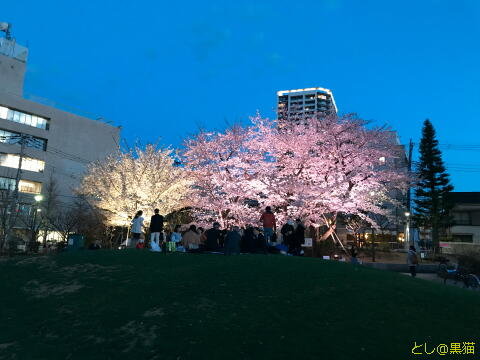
330	165
219	166
313	170
139	179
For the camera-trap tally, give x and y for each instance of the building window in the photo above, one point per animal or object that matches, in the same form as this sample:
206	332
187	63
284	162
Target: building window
31	187
25	186
10	137
24	118
468	238
30	164
7	183
462	218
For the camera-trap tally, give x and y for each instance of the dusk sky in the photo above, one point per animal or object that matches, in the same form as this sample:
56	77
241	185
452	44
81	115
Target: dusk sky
161	69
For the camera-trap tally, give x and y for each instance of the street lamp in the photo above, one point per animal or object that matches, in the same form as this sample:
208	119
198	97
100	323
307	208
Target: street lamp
407	230
38	198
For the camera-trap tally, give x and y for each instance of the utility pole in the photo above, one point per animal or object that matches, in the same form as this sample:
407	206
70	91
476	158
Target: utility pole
9	208
409	166
408	213
23	140
373	244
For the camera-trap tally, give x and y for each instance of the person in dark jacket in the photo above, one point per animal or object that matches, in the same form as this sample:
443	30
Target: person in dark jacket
353	254
156	227
213	237
288	233
412	260
260	243
299	237
232	242
248	244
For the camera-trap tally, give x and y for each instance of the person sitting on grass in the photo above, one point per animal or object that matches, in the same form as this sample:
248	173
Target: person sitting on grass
288	235
176	236
261	244
248	244
191	239
232	241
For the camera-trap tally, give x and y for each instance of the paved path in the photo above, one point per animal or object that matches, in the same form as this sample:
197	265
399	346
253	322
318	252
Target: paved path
435	278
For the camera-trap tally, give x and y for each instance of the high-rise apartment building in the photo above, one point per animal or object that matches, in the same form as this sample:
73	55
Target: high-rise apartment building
297	105
51	143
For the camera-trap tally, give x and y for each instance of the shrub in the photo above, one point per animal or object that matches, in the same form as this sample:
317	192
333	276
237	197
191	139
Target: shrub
470	261
324	248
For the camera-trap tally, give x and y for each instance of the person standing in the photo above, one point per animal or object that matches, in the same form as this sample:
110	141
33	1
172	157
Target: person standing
269	224
288	235
213	238
353	254
299	237
412	260
137	225
156	227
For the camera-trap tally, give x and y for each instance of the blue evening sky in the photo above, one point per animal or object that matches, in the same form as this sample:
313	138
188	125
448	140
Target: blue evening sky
164	68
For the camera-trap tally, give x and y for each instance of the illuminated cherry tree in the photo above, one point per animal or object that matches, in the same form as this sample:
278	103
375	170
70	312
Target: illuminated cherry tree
139	179
312	170
331	165
219	166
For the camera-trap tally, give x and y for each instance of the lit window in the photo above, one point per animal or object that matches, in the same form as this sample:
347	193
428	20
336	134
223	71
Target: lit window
30	187
3	112
12	160
28	119
23	118
26	186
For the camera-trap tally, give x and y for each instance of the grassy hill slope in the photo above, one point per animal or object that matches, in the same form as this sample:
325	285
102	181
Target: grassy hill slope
141	305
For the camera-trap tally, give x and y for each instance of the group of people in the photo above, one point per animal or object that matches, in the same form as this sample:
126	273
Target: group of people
251	239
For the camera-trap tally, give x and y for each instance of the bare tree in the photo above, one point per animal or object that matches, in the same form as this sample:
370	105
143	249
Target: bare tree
7	216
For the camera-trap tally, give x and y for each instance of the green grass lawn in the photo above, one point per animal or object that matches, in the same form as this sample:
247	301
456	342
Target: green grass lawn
135	304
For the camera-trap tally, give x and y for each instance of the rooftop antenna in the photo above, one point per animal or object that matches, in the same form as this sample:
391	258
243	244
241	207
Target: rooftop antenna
5	27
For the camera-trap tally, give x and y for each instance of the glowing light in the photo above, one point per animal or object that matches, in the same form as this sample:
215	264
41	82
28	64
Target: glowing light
38	197
282	92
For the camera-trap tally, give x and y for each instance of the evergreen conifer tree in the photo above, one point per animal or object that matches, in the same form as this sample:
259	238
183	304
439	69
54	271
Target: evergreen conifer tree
431	192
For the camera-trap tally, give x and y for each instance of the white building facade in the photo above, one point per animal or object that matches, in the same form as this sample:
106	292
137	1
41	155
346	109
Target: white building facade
53	144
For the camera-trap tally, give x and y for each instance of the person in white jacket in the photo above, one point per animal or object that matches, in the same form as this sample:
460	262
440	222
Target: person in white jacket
137	225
